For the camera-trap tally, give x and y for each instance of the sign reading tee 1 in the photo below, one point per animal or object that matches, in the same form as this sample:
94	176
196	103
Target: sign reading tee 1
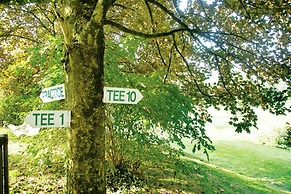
49	118
53	93
121	95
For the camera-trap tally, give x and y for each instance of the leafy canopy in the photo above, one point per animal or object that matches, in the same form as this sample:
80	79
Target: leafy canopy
232	54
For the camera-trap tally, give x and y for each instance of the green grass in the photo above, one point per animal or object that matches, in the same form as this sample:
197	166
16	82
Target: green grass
195	177
235	167
267	166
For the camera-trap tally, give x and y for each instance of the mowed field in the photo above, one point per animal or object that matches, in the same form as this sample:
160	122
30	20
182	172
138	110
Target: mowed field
242	154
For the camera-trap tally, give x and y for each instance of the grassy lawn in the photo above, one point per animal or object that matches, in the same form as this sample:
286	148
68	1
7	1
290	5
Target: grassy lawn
236	166
240	155
194	176
269	166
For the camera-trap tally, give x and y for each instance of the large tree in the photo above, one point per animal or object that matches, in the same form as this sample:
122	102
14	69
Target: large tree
245	45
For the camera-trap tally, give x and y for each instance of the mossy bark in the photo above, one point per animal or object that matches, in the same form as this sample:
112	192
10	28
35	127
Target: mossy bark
82	26
86	137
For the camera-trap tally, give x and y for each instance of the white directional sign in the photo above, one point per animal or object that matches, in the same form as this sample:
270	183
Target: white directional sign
49	118
121	95
53	93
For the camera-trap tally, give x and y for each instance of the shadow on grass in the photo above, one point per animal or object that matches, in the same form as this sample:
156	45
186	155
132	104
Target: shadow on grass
188	176
267	165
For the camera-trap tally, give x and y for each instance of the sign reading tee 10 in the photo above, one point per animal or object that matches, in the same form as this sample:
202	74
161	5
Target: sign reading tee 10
121	95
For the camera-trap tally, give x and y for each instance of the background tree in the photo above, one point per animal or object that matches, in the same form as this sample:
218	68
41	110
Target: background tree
30	57
243	44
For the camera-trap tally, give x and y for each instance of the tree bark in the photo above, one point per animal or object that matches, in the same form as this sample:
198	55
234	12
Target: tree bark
86	137
83	28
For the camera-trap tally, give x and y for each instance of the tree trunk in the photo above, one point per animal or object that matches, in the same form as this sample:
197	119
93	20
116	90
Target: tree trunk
83	32
86	137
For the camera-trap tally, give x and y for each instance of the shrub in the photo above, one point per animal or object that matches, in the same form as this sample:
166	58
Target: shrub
280	137
284	139
124	175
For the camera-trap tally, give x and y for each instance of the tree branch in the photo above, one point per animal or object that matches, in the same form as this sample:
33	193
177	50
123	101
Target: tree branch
181	14
51	21
222	77
10	34
122	6
137	33
153	30
170	62
188	67
39	21
179	21
158	46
